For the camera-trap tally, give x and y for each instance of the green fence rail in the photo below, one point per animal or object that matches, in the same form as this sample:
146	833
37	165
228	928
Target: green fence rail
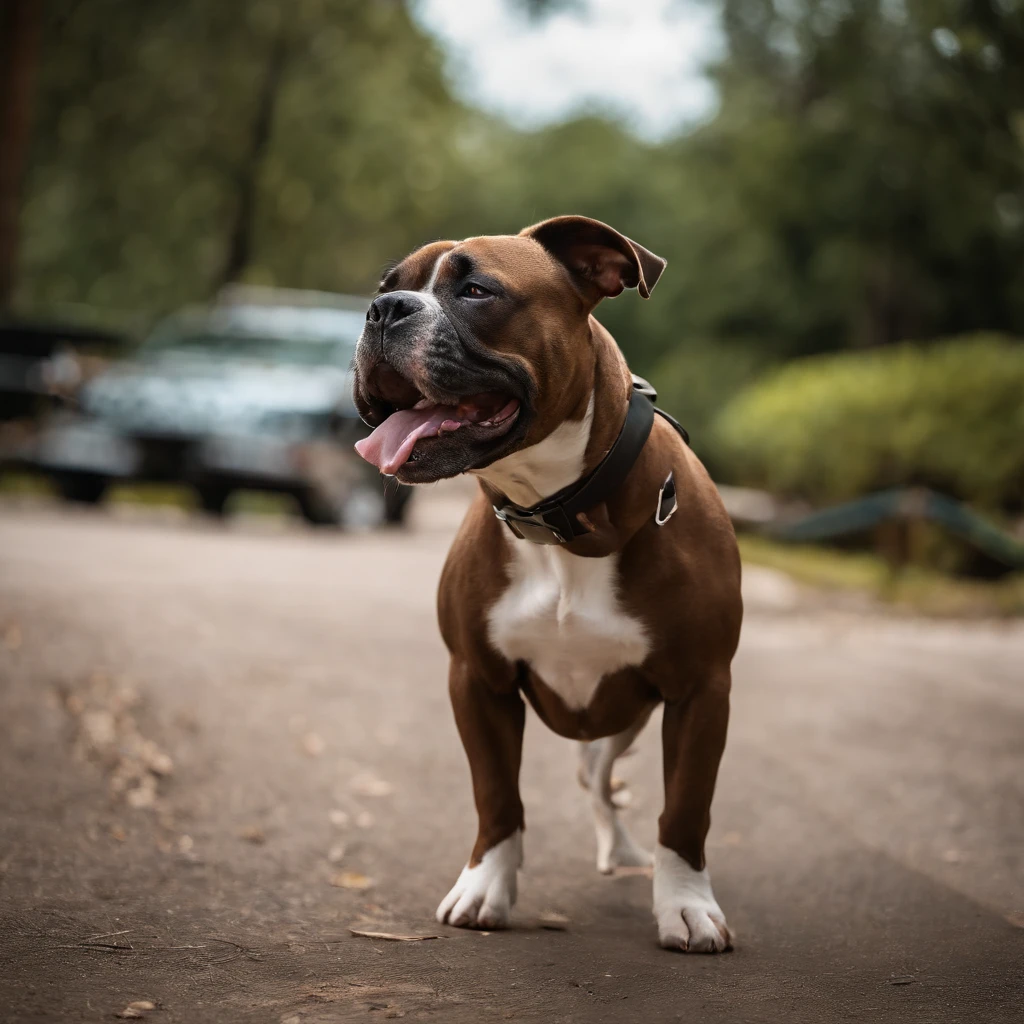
908	504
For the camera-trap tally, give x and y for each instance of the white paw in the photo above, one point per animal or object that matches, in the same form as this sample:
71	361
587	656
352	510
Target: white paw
484	895
688	915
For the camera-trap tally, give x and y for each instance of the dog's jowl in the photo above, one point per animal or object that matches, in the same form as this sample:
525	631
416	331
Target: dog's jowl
564	585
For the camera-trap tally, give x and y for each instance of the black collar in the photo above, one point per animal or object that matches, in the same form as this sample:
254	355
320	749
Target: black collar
555	520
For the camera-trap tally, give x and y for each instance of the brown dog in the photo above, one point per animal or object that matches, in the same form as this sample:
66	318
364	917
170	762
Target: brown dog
482	356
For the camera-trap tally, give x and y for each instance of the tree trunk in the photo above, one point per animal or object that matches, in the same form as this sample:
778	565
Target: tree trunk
239	251
20	24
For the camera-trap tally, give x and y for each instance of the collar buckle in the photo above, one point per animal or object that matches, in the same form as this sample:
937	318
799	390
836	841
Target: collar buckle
542	527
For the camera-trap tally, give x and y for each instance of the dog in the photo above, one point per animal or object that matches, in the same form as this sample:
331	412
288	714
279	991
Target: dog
596	573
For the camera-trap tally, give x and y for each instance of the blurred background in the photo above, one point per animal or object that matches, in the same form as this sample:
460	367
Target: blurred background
226	733
837	187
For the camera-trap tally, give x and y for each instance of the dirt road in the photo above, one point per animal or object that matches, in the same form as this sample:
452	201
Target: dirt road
212	736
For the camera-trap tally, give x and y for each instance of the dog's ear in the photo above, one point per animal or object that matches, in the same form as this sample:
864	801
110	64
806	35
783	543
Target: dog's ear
601	261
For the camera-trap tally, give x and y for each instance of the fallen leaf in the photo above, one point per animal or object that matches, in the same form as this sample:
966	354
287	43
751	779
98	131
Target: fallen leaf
338	817
625	872
142	1004
252	834
185	844
118	833
554	922
369	785
905	980
336	853
391	937
351	880
313	744
154	758
128	1013
143	795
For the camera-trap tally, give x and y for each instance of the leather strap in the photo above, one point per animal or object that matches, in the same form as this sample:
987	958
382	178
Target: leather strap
555	520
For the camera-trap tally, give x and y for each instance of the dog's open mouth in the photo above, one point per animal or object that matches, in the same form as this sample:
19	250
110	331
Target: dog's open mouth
415	419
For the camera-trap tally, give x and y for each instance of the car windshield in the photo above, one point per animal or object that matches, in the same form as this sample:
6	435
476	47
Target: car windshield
252	348
276	336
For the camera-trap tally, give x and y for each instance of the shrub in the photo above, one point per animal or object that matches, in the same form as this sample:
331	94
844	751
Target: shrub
697	380
949	415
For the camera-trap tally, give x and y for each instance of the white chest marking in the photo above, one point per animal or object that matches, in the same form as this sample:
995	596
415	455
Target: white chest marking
561	614
530	474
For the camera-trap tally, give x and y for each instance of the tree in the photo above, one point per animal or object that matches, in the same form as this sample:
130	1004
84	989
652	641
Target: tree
19	48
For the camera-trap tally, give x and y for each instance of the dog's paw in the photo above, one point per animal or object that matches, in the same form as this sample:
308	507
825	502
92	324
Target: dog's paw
688	915
484	895
616	848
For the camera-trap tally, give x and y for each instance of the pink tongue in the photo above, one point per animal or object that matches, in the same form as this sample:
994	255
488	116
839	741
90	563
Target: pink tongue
390	445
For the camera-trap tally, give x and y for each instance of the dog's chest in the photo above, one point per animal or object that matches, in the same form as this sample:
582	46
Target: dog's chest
561	614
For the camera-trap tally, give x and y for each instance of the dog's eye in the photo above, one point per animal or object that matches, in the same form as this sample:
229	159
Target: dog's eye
475	291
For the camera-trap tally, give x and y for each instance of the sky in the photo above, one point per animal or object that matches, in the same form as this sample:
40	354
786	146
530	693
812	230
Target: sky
638	59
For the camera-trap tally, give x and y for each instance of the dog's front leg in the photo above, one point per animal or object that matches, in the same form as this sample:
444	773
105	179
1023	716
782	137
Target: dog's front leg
491	727
693	737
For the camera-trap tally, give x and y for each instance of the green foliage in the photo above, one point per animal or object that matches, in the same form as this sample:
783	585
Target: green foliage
695	383
861	183
145	114
829	428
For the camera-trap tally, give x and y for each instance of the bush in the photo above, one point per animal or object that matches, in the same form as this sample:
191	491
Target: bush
697	380
949	416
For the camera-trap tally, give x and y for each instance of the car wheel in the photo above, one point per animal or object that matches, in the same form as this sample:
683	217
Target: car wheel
396	501
318	510
213	498
81	488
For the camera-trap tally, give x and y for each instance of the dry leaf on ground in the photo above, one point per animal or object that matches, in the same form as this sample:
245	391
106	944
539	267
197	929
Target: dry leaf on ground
554	922
625	872
392	937
313	744
136	1010
12	637
366	784
107	731
351	880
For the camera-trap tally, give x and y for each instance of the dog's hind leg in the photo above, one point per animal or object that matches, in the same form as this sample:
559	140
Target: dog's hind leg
615	846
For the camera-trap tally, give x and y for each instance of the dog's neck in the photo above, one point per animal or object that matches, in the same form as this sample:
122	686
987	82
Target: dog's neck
576	446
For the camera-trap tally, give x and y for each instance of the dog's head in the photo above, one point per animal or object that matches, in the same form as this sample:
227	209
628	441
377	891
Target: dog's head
471	348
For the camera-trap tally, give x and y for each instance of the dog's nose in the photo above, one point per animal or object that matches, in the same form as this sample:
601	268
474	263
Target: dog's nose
391	307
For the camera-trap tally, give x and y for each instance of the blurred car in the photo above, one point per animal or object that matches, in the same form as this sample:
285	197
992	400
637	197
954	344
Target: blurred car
252	395
39	361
